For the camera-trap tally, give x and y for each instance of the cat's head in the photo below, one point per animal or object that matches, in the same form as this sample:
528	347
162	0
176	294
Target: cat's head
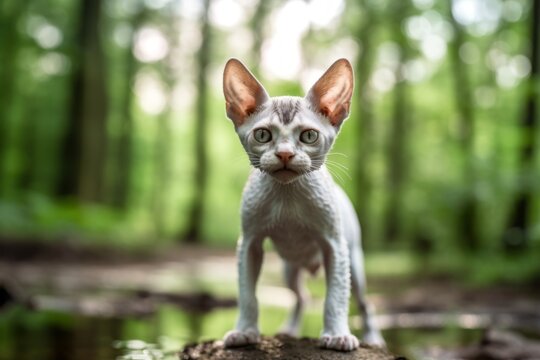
287	137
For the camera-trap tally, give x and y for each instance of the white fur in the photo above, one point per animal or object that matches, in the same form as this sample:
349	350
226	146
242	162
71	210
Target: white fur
311	223
292	199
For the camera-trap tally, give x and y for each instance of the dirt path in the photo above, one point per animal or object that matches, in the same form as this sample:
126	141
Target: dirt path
66	272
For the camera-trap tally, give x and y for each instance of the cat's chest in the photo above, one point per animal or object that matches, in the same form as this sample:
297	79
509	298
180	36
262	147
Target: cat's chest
304	207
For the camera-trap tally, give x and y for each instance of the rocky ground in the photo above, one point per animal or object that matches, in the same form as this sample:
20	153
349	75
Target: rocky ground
281	348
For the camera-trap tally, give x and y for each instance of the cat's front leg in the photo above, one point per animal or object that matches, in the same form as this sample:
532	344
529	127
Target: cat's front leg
336	334
250	254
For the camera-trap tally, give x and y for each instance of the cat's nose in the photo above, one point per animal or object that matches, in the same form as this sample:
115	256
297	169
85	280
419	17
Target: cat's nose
285	156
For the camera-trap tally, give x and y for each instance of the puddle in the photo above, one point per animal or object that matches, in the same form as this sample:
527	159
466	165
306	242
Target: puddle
48	335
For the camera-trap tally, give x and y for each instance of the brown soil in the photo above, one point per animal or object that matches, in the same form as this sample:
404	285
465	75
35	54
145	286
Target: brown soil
281	347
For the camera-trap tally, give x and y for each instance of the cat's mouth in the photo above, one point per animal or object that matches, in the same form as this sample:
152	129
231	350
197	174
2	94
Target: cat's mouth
286	171
285	175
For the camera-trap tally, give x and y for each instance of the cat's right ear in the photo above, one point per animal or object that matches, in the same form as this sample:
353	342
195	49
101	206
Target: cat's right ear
243	93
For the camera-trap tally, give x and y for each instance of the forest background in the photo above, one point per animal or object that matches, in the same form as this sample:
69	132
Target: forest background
113	132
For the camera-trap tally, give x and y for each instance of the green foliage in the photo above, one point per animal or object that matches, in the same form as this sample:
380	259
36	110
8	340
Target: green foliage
157	96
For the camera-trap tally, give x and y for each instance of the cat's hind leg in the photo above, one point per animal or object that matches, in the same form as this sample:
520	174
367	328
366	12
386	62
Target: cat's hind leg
372	335
293	280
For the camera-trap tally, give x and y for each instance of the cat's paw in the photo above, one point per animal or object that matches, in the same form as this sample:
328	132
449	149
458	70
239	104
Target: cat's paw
235	338
347	342
374	338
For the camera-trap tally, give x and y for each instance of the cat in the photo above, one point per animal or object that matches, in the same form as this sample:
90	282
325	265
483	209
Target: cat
291	198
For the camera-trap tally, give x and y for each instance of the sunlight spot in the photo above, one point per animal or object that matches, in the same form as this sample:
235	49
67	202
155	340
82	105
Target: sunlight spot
417	27
190	9
281	53
290	18
343	48
520	66
240	40
323	13
439	25
483	28
417	70
309	76
226	14
466	11
383	80
512	10
505	77
496	57
150	45
480	16
190	37
47	36
281	59
433	47
53	63
150	93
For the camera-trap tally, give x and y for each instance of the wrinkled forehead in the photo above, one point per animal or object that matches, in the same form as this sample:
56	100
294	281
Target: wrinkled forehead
283	111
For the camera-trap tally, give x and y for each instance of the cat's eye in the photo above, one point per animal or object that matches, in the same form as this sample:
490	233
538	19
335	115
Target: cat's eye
263	135
309	136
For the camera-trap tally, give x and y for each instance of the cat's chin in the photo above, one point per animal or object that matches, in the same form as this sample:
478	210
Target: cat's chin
285	176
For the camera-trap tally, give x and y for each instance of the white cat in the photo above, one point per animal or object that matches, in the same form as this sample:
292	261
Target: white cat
291	198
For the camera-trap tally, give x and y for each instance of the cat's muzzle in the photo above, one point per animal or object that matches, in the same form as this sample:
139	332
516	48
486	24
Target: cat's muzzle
285	175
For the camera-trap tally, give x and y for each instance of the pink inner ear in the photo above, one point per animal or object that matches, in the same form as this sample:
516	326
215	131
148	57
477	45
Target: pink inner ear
335	103
239	113
332	93
243	93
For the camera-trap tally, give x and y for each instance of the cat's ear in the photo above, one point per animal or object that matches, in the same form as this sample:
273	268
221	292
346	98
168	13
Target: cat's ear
243	93
331	94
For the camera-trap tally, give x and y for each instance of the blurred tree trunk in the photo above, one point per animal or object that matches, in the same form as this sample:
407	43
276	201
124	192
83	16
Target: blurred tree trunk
516	236
365	36
397	144
160	193
256	26
121	181
196	213
163	161
468	234
10	15
28	147
82	162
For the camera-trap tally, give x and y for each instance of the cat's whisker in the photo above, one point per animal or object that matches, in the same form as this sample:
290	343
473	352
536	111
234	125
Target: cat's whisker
344	173
339	166
337	169
336	163
338	153
336	176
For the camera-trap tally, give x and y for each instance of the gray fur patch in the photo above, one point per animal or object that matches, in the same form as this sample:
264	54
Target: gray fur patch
285	108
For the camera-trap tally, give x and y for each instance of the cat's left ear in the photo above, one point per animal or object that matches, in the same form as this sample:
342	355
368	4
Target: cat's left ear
243	93
331	94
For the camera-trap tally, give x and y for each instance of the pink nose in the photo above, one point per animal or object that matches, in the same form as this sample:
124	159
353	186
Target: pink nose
285	156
